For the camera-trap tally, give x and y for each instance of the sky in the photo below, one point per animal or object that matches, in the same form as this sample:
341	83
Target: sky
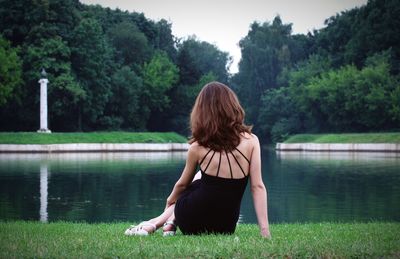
225	22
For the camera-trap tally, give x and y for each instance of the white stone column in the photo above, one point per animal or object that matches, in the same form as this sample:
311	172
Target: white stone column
43	106
44	180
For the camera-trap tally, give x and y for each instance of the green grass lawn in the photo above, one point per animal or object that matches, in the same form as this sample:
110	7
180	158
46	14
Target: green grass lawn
92	137
346	138
22	239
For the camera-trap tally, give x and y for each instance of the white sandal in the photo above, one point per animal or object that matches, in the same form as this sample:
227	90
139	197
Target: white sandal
139	230
169	232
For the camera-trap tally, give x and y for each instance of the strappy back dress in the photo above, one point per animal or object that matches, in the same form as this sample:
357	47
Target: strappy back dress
212	203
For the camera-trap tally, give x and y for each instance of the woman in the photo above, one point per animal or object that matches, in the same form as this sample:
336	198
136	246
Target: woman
227	154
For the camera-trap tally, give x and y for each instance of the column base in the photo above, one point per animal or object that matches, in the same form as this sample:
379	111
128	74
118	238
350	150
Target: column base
44	131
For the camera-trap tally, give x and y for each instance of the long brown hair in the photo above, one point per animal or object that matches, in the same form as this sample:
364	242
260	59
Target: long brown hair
217	119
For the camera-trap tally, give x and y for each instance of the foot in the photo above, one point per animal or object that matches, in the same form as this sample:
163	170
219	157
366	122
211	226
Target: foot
169	228
143	229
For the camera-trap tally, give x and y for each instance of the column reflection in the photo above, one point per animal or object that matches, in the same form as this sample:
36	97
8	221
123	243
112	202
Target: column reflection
44	177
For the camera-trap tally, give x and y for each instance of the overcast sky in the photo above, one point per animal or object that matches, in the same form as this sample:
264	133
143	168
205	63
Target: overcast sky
225	22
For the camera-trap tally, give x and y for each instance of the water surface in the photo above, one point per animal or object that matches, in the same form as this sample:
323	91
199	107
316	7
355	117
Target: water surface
109	187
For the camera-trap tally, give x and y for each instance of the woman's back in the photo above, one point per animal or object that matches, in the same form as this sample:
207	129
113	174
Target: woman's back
212	204
227	164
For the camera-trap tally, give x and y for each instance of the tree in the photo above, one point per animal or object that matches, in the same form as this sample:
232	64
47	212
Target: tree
10	71
64	91
349	99
266	50
197	58
395	106
130	43
183	98
26	21
165	40
376	28
297	79
332	39
125	108
159	75
322	99
279	115
91	57
354	35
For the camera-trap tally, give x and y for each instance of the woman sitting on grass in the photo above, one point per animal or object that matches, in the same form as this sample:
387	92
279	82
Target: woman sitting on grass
227	154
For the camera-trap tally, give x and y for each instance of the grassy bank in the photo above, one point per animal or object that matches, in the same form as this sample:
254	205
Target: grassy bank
92	137
33	239
346	138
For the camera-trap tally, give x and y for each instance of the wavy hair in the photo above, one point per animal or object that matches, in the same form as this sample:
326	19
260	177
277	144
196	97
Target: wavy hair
217	118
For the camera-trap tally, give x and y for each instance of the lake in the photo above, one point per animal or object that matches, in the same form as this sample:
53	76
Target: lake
113	187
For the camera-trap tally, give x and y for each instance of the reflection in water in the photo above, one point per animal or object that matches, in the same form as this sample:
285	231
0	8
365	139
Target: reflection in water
96	156
105	187
340	156
87	186
44	175
335	186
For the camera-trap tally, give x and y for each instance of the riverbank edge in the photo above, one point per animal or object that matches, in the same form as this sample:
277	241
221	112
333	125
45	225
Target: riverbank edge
346	138
93	147
339	147
169	147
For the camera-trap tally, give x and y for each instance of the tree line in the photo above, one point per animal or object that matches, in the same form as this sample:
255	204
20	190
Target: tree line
117	70
341	78
108	69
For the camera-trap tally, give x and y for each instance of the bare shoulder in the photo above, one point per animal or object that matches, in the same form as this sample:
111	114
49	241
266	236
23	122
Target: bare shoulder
254	138
251	139
194	149
197	151
249	142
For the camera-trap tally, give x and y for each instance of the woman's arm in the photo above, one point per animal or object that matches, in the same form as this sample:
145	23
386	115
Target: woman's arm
186	177
258	189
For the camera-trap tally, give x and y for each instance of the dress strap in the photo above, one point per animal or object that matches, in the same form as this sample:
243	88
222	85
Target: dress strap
243	155
204	157
238	163
209	162
229	163
219	163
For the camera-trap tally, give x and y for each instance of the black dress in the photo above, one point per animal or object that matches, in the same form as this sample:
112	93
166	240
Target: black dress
211	204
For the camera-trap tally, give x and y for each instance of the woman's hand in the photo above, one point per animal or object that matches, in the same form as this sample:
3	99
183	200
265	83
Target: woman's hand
265	233
169	203
186	177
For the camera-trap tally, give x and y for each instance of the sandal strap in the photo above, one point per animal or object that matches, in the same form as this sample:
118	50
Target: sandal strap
170	222
172	231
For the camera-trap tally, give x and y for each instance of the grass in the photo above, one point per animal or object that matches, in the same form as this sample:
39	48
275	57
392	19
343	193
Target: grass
92	137
37	240
346	138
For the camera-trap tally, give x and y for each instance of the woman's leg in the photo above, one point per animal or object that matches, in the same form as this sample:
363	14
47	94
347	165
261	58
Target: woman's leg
171	218
170	227
167	215
160	220
151	225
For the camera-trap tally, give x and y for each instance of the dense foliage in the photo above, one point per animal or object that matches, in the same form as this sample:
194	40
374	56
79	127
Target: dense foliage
342	78
107	69
115	70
